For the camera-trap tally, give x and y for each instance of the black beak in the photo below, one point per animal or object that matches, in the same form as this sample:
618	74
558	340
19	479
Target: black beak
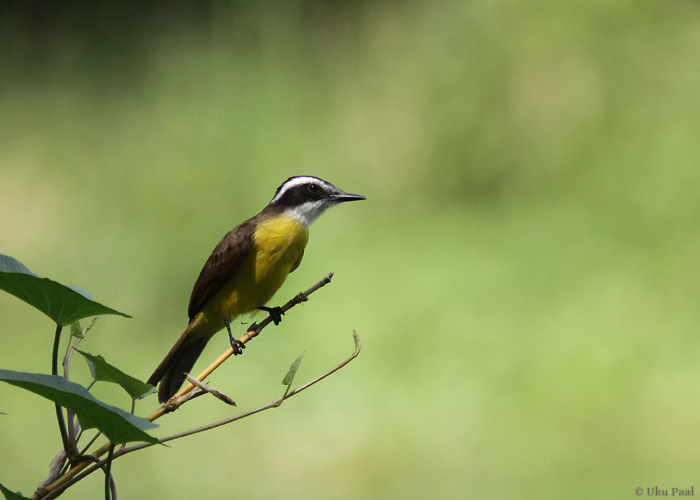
340	197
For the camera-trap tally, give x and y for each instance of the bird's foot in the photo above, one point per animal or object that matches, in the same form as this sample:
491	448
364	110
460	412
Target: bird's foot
274	312
236	345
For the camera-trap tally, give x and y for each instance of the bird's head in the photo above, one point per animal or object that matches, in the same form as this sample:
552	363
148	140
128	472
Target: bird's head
305	197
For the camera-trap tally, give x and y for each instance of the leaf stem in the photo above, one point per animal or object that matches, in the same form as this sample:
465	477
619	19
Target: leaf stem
59	411
108	474
69	414
80	471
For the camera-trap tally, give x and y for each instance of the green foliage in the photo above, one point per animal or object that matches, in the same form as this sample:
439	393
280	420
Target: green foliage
76	331
11	265
101	370
66	306
9	495
525	268
59	302
116	424
289	377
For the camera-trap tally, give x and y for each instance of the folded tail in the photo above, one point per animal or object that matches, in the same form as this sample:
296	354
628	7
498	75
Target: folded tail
179	361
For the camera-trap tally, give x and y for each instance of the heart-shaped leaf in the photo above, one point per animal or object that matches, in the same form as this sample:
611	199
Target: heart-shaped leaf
101	370
62	304
116	424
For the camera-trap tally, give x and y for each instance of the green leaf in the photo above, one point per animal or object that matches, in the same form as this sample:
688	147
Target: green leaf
101	370
64	305
9	495
76	331
11	265
116	424
289	378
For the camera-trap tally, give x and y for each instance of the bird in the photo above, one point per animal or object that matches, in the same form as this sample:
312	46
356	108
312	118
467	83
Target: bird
245	270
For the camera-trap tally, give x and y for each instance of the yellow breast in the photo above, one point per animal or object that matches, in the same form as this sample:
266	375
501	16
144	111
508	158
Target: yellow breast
278	247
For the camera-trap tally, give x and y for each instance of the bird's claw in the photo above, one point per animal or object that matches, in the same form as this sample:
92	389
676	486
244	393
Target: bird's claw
274	312
236	345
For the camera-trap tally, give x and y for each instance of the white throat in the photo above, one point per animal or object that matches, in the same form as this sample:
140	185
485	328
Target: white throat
308	212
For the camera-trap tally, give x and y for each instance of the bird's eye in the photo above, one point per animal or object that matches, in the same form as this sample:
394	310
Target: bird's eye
312	188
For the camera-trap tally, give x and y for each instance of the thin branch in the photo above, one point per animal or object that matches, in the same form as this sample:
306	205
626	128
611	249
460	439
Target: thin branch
97	434
358	347
44	494
272	404
175	402
78	472
55	469
205	388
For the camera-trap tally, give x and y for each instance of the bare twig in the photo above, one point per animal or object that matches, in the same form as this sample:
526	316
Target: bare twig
272	404
217	394
55	468
176	401
79	471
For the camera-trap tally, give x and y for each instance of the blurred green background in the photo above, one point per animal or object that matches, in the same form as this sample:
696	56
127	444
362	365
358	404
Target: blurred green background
524	275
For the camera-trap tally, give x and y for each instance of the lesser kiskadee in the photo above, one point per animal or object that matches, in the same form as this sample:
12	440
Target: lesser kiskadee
245	270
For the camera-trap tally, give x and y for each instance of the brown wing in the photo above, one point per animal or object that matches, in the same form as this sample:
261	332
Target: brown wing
222	264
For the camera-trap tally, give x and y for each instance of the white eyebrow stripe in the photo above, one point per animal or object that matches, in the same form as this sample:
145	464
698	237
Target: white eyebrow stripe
298	181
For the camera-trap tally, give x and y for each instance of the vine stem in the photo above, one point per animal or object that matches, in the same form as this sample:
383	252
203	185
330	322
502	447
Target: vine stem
59	411
110	493
77	472
55	492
